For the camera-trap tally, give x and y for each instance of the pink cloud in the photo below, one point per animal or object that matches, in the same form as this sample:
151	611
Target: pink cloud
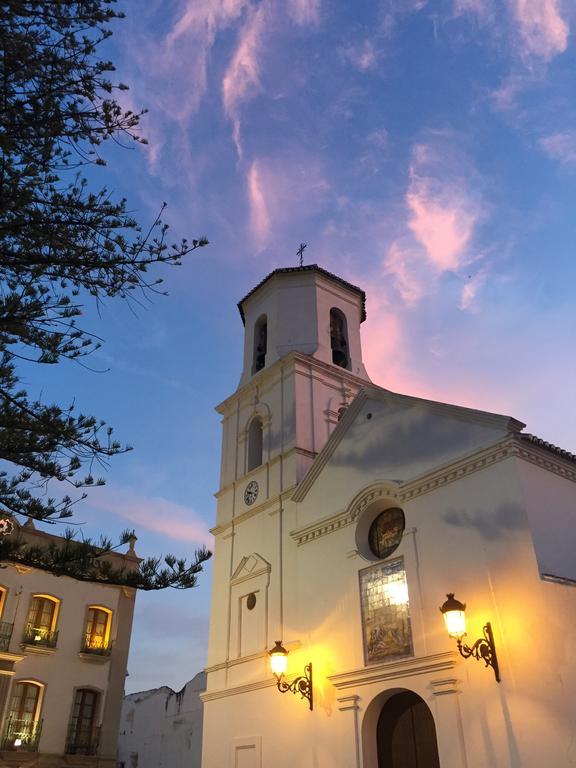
242	78
443	213
544	32
470	290
400	264
289	186
153	513
561	146
363	56
304	12
259	215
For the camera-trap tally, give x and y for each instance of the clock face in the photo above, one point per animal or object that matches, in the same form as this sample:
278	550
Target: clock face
251	492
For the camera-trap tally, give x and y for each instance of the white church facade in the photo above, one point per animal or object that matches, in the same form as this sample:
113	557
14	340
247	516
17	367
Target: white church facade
346	515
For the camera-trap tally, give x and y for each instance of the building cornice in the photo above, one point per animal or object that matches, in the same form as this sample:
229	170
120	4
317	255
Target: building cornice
511	447
415	665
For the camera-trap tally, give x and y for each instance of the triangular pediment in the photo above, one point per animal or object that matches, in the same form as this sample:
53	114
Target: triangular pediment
398	437
250	566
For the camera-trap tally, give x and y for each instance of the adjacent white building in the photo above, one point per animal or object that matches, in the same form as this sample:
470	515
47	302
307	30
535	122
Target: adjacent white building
63	653
346	514
162	728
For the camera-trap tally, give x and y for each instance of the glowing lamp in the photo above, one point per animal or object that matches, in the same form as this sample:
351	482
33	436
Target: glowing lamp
454	616
278	659
17	742
302	684
483	649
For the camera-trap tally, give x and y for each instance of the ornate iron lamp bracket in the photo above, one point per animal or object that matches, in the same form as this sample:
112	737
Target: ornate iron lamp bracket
482	650
301	685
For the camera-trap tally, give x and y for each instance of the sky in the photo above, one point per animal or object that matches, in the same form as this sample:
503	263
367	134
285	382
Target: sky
425	150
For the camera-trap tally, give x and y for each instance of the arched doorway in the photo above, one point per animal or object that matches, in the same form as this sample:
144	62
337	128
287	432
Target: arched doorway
406	734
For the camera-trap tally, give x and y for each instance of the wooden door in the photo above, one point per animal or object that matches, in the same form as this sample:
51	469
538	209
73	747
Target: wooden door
406	734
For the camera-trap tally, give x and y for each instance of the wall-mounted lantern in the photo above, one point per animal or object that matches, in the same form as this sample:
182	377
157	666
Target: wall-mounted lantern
454	613
302	685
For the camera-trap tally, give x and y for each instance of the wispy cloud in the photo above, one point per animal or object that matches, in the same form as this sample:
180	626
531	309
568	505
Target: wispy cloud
152	513
543	30
259	215
562	147
242	78
400	264
363	56
442	213
470	290
304	12
286	187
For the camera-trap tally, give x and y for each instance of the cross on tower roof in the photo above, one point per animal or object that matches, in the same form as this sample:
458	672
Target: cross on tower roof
300	252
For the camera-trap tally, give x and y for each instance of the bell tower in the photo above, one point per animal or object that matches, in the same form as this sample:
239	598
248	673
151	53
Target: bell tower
306	310
302	366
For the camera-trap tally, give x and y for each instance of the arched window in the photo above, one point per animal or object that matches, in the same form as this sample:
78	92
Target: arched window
339	338
97	634
22	729
42	618
255	435
260	343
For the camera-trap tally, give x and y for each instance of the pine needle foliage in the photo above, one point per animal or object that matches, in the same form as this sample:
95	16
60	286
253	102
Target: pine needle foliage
63	244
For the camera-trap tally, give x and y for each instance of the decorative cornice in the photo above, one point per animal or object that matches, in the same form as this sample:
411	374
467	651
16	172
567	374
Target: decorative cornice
510	447
547	459
444	687
333	523
252	511
415	665
290	645
236	690
456	470
348	702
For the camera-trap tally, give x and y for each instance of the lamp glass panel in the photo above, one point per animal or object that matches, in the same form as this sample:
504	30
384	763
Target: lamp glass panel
455	623
278	662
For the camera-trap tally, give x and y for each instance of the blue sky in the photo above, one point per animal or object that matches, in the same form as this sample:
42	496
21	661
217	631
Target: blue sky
426	151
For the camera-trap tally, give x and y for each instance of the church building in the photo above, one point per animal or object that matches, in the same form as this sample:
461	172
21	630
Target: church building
407	566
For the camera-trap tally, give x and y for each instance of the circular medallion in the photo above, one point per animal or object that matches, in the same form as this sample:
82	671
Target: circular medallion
386	532
251	601
251	492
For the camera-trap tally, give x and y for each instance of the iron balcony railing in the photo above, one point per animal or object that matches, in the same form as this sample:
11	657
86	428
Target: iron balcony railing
40	636
22	734
96	645
82	741
5	635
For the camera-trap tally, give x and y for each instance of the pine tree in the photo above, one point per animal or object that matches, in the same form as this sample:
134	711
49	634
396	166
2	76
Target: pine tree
63	244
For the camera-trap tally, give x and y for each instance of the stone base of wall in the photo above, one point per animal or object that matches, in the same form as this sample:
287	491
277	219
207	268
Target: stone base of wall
15	759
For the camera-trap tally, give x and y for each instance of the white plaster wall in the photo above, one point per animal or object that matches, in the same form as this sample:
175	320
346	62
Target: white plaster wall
471	536
297	306
162	728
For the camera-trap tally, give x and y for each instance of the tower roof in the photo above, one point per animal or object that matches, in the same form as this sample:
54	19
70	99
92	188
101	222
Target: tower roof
307	268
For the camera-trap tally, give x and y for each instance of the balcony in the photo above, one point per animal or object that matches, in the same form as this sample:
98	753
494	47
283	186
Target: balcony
97	646
40	636
82	741
22	735
5	635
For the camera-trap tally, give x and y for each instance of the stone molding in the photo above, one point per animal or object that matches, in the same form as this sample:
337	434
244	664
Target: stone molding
511	447
348	702
444	687
415	665
348	516
237	690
